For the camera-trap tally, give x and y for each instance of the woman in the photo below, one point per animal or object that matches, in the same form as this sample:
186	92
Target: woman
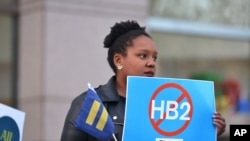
131	51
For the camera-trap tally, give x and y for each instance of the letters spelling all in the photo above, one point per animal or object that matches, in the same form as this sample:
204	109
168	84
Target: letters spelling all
6	136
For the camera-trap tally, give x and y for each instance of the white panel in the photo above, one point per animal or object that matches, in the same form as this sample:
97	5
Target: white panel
191	28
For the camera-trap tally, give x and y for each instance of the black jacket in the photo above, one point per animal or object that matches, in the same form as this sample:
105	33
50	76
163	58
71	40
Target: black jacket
114	104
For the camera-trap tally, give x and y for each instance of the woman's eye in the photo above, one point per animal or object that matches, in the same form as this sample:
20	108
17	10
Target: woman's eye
143	56
155	58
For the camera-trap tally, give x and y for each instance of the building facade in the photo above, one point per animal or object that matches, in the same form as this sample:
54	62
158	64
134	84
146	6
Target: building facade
51	49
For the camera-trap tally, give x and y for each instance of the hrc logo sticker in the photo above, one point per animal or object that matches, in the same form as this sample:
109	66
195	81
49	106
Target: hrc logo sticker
8	130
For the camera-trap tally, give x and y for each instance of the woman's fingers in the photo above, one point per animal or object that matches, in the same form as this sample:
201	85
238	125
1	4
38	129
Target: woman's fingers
219	122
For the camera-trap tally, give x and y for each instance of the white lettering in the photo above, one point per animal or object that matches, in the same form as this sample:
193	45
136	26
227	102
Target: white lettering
167	139
185	116
171	107
239	132
243	131
154	108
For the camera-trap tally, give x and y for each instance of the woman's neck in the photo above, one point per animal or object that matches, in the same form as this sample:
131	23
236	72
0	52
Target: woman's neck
121	87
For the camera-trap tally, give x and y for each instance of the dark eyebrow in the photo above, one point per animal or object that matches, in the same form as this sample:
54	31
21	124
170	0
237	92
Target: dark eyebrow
144	50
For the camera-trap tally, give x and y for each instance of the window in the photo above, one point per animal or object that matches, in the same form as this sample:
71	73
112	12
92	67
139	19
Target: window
8	52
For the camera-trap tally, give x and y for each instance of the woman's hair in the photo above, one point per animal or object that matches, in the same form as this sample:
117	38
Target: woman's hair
120	37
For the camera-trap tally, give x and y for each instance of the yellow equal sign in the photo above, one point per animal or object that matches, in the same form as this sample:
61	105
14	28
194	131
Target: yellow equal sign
93	113
102	120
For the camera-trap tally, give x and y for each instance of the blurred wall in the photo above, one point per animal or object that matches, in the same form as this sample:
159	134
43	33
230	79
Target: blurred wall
61	49
207	37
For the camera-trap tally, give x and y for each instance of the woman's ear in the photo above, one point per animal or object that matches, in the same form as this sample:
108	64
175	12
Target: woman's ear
117	59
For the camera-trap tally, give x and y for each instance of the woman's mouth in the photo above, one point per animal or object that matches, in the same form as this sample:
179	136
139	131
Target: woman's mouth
149	73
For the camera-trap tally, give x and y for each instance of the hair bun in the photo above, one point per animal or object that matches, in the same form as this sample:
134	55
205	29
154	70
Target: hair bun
120	29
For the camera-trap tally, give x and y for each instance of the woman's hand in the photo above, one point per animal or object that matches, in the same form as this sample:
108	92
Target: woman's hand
220	123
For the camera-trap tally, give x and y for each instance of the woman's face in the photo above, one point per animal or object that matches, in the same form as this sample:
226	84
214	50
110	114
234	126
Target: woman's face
140	59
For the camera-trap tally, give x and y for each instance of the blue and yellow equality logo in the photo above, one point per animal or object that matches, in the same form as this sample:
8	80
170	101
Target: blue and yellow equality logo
8	129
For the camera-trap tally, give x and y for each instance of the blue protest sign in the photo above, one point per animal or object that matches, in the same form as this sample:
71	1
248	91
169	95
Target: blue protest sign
166	109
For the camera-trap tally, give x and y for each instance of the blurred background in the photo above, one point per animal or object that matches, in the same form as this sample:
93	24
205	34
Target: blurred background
50	49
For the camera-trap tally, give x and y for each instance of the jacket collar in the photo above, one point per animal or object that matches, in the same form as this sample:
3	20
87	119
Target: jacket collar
108	92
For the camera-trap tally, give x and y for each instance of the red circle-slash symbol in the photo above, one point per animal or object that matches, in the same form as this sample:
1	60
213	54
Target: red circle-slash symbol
184	94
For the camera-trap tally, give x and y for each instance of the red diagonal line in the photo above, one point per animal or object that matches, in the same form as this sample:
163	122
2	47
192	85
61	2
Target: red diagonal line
164	116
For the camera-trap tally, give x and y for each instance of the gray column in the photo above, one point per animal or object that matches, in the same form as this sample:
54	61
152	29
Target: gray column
61	50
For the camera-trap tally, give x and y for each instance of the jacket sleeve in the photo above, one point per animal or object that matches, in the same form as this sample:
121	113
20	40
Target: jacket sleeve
70	133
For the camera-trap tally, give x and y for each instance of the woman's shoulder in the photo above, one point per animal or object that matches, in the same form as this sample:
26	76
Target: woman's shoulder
102	91
79	98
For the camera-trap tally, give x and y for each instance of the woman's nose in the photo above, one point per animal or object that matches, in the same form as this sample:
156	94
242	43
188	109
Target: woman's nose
151	62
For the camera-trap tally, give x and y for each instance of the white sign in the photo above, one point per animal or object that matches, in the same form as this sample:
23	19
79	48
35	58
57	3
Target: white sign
11	123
